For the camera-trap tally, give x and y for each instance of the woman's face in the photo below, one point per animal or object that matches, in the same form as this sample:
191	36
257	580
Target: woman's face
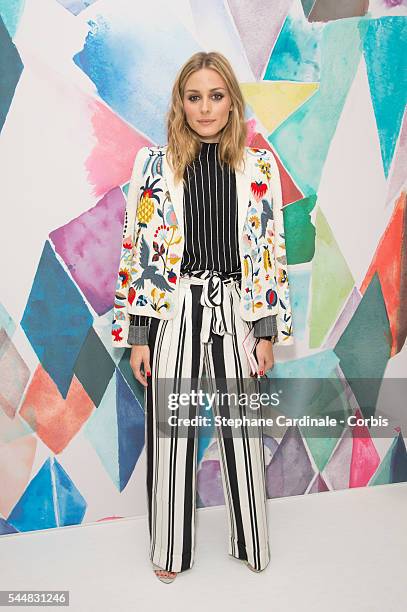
206	98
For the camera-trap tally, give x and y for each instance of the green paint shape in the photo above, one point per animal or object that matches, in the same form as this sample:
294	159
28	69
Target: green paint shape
330	401
383	472
307	6
299	231
364	347
303	139
101	431
332	282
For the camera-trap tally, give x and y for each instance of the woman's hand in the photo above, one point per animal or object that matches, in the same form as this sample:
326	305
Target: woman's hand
264	356
140	354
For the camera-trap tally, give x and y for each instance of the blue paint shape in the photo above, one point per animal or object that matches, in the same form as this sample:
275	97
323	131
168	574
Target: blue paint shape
35	508
300	286
130	429
296	55
303	139
11	68
319	365
385	52
56	319
76	6
398	465
128	60
6	528
299	380
205	433
11	11
70	503
101	431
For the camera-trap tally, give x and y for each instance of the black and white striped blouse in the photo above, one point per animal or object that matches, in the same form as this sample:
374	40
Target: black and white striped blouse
210	230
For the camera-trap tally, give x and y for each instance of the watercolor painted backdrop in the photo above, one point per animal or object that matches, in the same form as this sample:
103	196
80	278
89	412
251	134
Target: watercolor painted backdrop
85	84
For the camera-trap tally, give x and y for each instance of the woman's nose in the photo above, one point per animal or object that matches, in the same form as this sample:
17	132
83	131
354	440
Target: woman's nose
205	106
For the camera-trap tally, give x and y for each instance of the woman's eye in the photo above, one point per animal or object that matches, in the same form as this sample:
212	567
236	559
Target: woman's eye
217	96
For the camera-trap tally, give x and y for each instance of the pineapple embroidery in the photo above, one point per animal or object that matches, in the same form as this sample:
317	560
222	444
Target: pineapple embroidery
156	260
145	210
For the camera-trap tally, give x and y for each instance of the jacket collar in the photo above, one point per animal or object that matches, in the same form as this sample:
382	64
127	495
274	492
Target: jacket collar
176	192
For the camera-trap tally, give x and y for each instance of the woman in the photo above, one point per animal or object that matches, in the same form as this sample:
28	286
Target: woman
184	307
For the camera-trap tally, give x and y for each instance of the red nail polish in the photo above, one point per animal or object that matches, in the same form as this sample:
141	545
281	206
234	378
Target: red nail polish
148	373
261	372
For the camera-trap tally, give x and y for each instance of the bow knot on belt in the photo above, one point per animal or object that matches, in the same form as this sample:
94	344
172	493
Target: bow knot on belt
215	298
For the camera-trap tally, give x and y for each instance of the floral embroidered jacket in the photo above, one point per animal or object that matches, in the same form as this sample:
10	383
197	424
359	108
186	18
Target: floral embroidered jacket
153	242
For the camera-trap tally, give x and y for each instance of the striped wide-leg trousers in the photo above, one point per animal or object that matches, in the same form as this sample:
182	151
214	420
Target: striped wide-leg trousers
202	338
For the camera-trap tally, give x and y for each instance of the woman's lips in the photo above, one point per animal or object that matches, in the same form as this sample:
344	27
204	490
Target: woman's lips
206	121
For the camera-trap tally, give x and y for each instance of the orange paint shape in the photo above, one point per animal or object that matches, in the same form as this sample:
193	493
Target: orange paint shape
54	419
390	265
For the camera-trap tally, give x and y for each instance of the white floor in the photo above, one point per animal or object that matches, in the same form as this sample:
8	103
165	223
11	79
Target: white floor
335	551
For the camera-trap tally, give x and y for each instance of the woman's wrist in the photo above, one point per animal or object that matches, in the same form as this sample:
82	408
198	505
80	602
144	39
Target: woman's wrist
271	339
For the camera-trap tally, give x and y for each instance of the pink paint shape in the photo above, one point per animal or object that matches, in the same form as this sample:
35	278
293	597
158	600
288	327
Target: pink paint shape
90	247
319	485
112	158
259	25
365	457
16	462
14	375
209	483
289	190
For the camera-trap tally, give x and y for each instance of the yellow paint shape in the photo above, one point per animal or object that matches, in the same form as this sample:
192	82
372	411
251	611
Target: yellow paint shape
274	101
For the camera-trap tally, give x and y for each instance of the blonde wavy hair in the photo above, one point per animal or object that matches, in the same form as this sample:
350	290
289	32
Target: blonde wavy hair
183	143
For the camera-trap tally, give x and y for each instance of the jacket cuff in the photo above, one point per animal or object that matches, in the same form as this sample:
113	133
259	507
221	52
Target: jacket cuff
138	334
266	327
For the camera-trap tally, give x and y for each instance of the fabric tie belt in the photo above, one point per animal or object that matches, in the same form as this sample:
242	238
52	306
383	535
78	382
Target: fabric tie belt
216	300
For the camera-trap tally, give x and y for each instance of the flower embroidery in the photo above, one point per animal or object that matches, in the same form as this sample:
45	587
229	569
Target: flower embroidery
254	220
264	167
124	276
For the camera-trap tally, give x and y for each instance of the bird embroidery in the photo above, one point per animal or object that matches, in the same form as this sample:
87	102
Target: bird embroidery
150	271
265	215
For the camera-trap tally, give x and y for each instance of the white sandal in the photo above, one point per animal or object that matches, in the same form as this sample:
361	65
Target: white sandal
164	575
252	568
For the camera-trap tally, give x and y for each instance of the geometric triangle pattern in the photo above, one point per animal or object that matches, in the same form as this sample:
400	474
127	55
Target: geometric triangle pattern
273	102
390	264
130	425
11	65
364	347
81	244
296	54
303	140
50	500
385	50
332	281
72	414
56	319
